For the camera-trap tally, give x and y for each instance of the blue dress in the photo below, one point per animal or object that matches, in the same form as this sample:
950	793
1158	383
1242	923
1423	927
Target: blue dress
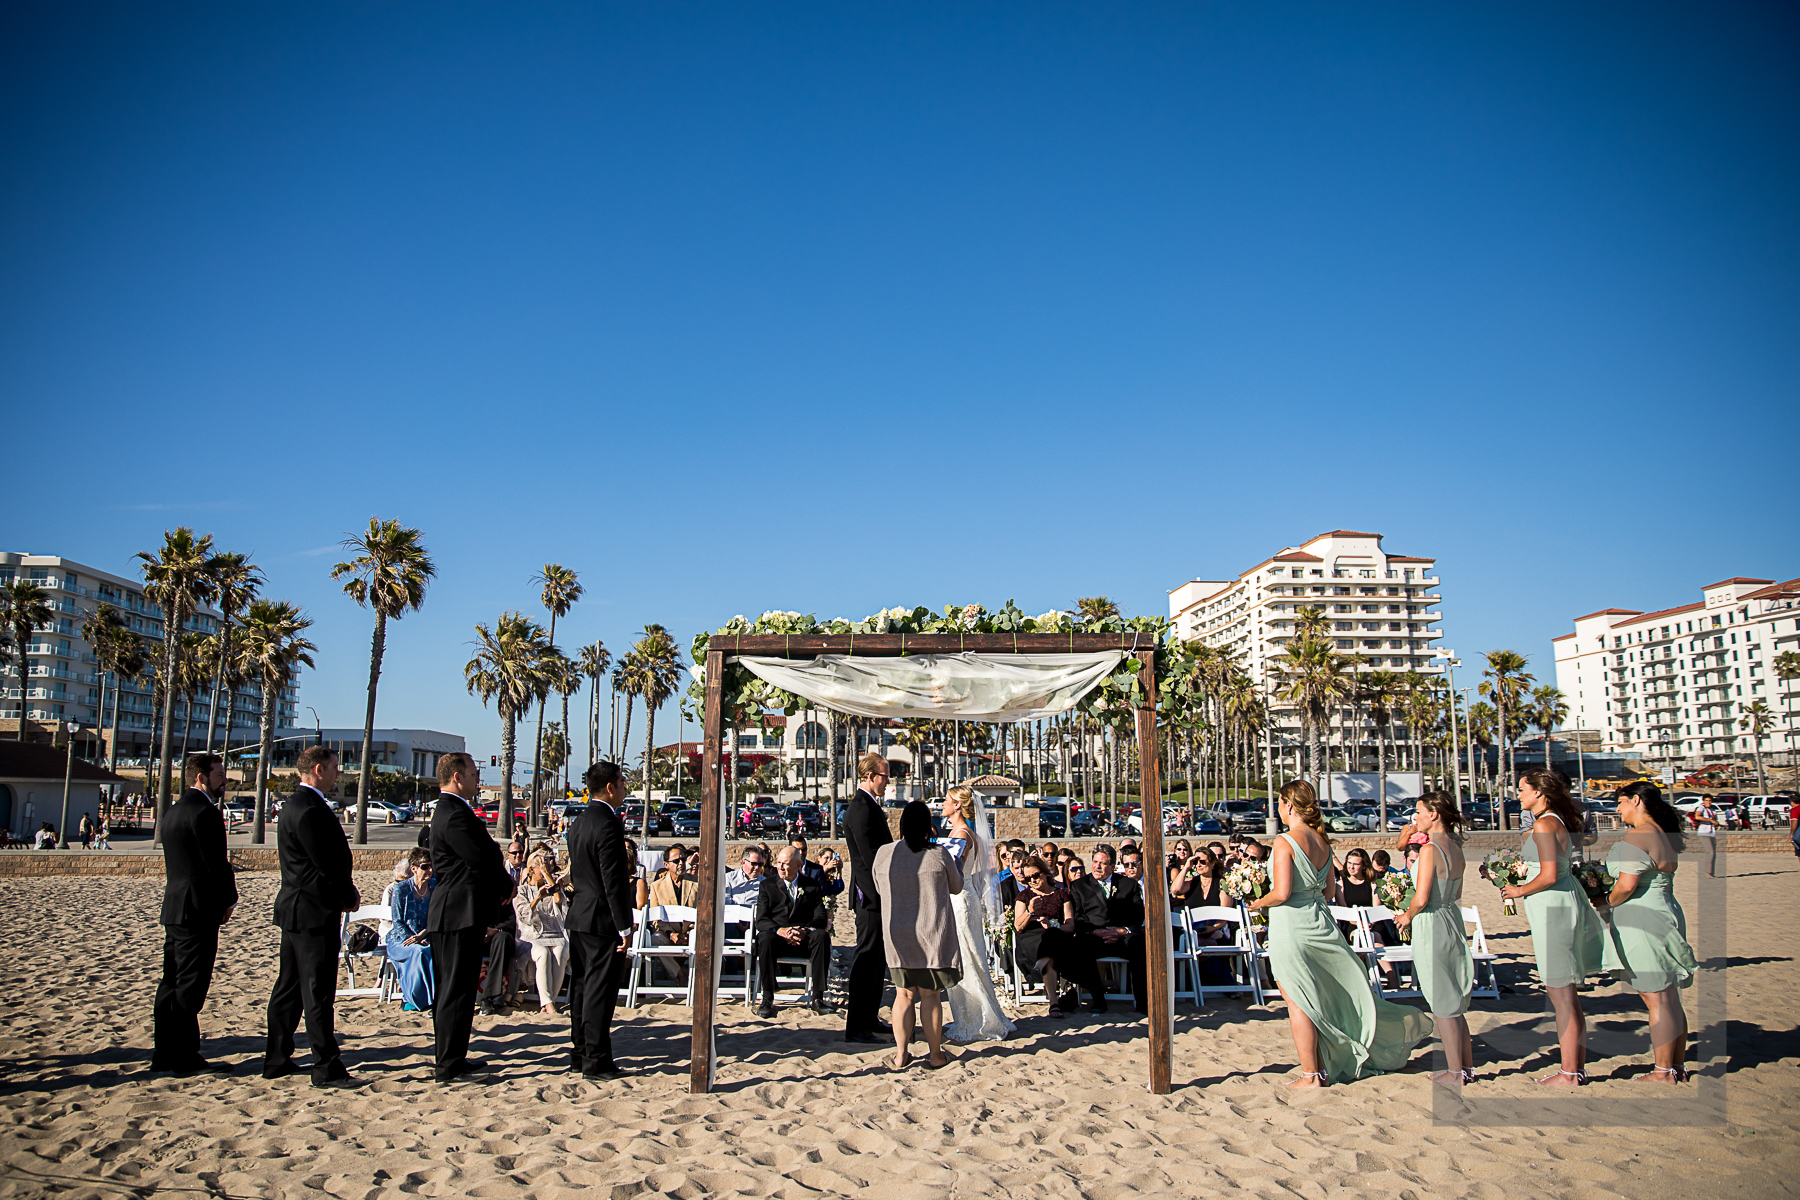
418	986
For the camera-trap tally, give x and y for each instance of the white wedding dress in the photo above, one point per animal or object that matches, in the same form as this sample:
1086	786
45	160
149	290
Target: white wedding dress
975	1014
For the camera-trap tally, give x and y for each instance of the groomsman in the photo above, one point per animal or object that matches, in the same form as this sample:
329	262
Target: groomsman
199	894
316	890
865	832
472	881
599	922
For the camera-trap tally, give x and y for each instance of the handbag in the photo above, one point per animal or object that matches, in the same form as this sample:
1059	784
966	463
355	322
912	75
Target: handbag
362	940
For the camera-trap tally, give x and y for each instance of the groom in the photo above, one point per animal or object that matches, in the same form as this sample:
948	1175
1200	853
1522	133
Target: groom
865	832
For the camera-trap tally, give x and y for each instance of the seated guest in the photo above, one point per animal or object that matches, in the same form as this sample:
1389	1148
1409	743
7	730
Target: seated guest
744	882
1384	862
540	905
1048	852
674	887
402	872
1109	912
408	945
1010	883
791	922
816	872
1356	889
1039	911
640	889
1218	853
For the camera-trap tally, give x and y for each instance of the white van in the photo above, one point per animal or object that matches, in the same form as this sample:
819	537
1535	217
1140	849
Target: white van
1762	812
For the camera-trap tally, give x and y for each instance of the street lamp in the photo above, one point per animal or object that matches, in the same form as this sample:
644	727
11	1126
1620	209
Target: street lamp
1451	662
62	828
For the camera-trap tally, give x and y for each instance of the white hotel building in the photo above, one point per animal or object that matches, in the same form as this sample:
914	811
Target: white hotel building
1674	683
1381	606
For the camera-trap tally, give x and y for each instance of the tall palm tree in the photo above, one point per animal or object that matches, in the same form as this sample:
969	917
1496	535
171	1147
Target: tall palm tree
593	661
625	685
1316	682
561	588
179	580
1758	720
269	648
118	653
25	607
655	667
236	583
1505	683
389	574
1380	692
1787	668
1096	608
1483	722
1547	710
509	669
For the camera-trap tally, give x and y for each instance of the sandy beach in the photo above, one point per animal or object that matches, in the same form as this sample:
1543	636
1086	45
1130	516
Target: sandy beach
1060	1110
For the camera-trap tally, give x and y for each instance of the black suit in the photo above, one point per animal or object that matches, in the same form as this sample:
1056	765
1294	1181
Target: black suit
599	918
775	909
316	890
472	881
865	832
198	890
1124	908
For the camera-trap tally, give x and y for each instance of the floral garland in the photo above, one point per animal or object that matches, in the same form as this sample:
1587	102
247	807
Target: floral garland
745	696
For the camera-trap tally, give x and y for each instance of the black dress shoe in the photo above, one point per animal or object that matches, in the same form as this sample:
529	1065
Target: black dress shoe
489	1010
280	1070
335	1081
819	1007
457	1070
867	1039
603	1074
766	1011
200	1066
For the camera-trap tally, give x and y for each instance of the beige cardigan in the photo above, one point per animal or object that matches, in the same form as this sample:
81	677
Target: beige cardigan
916	919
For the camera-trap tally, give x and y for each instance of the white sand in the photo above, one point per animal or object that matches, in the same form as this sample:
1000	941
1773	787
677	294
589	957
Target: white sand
1059	1111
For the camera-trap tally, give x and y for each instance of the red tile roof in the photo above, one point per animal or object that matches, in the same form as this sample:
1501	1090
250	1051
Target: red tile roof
1735	579
1780	589
1408	558
1562	637
1629	612
1664	612
1340	533
1297	556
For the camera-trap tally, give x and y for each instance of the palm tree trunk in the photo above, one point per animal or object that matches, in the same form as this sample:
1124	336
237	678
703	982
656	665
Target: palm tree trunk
649	761
112	743
171	639
270	690
625	734
365	769
509	739
212	716
569	743
537	753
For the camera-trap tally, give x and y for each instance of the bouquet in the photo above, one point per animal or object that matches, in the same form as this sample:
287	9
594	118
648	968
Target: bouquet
1595	880
1503	868
1395	893
1245	881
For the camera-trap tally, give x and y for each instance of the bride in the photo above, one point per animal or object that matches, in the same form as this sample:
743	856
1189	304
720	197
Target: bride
974	1008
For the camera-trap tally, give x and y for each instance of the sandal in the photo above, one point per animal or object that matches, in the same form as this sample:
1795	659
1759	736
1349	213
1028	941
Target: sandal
1580	1077
1675	1074
1318	1075
1465	1075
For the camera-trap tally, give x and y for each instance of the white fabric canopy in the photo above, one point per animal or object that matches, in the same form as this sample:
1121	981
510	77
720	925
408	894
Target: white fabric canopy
966	687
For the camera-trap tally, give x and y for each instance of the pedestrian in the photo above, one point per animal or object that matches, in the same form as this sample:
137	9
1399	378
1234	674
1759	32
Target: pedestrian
1706	824
103	834
472	883
598	922
199	895
316	890
86	830
865	833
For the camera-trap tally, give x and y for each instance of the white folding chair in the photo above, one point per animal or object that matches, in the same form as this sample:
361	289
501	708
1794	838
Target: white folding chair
1259	949
386	978
1478	950
1399	957
1241	952
646	953
743	949
1184	966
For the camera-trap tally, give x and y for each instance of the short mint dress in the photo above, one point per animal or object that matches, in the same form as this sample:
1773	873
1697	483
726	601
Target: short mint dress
1359	1033
1566	932
1442	962
1646	938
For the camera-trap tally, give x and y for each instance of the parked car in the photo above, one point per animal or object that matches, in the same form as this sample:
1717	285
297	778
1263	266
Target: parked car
767	819
1053	822
1366	816
686	823
238	808
1339	819
490	812
804	817
632	814
1091	822
1206	822
1764	811
386	812
1240	814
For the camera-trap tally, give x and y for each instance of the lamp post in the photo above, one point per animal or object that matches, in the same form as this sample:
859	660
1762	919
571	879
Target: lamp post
62	828
1451	662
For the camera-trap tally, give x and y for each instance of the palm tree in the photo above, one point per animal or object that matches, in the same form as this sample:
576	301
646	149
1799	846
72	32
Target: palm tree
25	607
1316	683
508	669
1380	691
1787	668
561	589
1505	683
1548	710
655	669
269	648
593	661
236	582
118	652
389	574
178	580
1758	719
1094	609
623	683
1483	722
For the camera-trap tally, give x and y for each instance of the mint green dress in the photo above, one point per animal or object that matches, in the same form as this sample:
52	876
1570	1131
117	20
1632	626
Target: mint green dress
1442	962
1359	1033
1646	938
1566	932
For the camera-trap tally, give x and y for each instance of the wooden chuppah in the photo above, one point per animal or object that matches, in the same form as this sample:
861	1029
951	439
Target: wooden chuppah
1158	948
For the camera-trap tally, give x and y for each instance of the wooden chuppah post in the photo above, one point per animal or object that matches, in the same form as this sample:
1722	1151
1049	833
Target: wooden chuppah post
1159	948
712	868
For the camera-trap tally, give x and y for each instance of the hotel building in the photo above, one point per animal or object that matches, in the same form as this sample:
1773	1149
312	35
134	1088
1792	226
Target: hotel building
63	683
1674	683
1382	606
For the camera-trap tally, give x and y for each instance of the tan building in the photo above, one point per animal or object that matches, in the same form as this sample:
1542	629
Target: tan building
1674	683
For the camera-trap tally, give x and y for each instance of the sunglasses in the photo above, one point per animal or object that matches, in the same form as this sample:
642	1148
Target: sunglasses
1076	868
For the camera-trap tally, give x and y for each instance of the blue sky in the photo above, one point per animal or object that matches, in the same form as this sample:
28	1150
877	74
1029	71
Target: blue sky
838	307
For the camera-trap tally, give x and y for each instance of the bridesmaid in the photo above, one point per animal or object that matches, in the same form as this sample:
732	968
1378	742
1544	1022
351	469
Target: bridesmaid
1566	933
1441	960
1342	1030
1646	945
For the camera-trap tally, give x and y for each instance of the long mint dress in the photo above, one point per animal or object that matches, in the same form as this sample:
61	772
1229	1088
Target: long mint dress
1441	960
1566	933
1646	944
1359	1033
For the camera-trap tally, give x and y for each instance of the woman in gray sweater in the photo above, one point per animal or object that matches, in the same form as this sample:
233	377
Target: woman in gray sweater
915	881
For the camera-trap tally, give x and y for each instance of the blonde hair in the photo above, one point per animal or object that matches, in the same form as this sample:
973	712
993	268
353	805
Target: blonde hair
1300	797
871	764
965	800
